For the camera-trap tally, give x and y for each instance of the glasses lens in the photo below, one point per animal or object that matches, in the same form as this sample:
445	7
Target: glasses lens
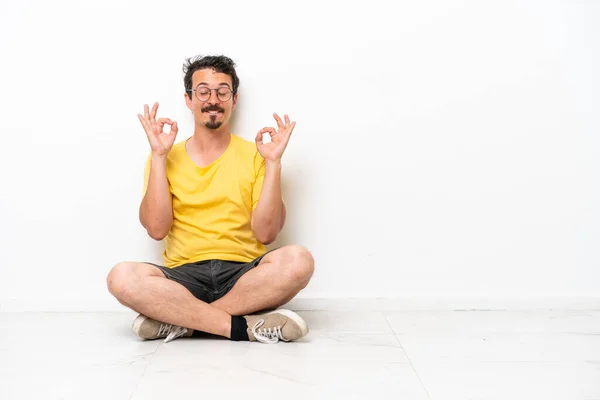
203	93
224	94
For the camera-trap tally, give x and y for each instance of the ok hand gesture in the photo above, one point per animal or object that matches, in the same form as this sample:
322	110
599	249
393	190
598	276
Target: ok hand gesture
160	141
279	139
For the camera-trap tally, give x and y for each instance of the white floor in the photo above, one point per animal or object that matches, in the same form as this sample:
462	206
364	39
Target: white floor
347	355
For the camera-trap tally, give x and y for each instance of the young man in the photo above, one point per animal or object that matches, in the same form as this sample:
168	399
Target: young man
216	200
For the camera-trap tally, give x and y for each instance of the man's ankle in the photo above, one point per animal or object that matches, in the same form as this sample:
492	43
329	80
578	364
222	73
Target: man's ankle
239	329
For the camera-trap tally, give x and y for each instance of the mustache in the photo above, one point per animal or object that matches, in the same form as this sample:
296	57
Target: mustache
212	108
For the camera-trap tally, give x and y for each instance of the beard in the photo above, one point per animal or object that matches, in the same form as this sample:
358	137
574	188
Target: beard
213	124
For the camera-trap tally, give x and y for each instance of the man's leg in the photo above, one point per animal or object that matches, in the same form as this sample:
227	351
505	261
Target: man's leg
145	289
280	275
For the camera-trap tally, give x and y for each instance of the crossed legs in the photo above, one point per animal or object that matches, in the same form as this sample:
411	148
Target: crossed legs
280	275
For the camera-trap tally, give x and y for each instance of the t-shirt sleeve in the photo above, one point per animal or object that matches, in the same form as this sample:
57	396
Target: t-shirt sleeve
259	178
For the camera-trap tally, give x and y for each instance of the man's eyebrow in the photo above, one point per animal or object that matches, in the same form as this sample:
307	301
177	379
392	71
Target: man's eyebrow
220	84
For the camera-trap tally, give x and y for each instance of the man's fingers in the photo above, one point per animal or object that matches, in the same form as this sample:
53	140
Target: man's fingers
154	110
259	139
269	130
150	134
161	125
287	119
149	123
279	122
144	123
162	122
141	118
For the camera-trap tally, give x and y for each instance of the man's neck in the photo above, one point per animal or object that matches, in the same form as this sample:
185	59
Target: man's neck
206	141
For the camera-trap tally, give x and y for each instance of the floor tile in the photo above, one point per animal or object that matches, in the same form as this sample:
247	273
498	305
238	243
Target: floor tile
448	380
352	321
63	339
267	378
494	321
90	383
503	347
318	347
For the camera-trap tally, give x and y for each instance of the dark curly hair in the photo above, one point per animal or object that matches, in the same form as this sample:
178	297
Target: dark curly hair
222	64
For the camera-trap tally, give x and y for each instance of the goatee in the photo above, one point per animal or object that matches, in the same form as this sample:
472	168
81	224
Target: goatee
213	124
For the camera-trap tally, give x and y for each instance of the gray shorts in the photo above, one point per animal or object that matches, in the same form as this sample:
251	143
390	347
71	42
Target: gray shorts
209	280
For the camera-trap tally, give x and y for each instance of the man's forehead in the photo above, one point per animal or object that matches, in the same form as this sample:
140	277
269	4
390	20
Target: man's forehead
210	76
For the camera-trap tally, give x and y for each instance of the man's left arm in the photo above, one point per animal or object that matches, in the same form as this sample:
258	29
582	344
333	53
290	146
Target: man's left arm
268	217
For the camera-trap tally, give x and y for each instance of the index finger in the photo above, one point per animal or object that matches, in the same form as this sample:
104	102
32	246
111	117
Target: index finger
269	130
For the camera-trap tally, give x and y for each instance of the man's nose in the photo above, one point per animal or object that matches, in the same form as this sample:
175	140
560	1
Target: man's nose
213	99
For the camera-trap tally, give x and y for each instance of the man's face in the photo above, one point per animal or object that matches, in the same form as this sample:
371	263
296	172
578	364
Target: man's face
212	101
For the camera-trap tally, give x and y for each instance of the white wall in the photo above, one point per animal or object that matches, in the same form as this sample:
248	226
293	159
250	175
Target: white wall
442	148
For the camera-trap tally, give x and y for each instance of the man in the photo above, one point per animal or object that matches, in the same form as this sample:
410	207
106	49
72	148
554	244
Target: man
216	200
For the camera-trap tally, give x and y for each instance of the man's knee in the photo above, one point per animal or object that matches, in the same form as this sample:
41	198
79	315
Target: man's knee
118	278
123	278
301	264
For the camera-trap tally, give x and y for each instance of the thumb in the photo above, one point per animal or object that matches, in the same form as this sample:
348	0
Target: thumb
174	128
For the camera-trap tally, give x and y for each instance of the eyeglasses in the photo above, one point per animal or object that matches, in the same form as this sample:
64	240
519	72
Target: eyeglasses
203	93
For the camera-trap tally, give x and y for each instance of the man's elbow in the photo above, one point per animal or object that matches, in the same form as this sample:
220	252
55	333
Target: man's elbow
266	238
156	228
157	234
155	231
265	234
265	230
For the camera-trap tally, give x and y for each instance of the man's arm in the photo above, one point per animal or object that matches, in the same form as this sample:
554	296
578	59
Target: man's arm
268	217
156	209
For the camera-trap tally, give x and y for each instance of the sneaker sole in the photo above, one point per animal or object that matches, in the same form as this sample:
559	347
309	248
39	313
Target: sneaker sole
294	317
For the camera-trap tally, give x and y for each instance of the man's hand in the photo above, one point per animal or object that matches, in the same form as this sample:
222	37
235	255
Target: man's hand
160	141
279	139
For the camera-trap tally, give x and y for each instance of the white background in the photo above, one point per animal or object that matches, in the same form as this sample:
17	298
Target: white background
442	149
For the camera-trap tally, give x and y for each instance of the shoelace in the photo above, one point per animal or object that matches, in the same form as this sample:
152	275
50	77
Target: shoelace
172	332
264	335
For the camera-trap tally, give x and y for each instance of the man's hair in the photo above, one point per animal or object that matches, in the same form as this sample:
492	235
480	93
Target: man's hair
222	64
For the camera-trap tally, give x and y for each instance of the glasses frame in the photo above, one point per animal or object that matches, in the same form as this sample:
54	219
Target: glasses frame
210	93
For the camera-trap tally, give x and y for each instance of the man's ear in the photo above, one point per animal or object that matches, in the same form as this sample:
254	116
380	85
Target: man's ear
188	101
234	102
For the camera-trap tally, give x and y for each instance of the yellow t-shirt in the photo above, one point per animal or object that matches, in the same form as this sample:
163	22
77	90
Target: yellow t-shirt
212	206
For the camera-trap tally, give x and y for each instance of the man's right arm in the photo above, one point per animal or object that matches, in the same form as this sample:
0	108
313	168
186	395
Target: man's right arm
156	209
